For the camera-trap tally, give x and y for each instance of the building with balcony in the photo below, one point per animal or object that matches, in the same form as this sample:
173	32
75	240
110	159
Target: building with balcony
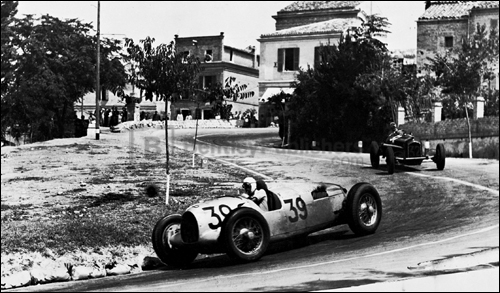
218	62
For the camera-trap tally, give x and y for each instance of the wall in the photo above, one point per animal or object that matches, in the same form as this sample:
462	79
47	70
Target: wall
431	36
239	57
269	54
198	48
484	16
252	85
454	135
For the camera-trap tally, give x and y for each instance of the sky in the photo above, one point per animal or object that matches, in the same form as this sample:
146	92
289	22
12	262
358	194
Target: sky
243	22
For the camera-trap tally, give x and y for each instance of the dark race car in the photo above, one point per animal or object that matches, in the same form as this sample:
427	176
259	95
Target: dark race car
237	226
402	148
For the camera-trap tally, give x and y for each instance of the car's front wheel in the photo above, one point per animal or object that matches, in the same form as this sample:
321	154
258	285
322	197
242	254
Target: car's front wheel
390	160
166	228
364	209
440	156
374	154
246	235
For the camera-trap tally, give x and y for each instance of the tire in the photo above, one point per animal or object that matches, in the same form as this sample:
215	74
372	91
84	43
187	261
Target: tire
171	256
440	156
246	235
389	158
364	209
374	155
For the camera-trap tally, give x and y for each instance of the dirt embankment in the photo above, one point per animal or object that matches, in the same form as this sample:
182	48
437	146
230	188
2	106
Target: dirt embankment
55	192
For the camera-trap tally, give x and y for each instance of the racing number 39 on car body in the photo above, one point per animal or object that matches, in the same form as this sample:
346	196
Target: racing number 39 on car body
237	226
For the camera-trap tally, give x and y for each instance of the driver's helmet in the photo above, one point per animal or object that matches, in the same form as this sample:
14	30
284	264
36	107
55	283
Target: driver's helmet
249	185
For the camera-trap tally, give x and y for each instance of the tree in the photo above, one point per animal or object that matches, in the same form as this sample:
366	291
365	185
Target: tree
54	67
219	93
162	71
328	103
463	73
9	10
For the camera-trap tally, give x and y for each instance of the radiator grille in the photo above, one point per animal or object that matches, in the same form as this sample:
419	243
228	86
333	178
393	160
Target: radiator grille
414	150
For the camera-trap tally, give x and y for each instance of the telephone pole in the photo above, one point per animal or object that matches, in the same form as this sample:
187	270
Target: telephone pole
98	85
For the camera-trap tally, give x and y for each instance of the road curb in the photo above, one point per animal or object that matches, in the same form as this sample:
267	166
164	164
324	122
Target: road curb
485	280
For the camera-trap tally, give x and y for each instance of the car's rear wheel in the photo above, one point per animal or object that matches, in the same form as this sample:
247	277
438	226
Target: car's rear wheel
364	209
170	255
440	156
246	235
374	155
390	160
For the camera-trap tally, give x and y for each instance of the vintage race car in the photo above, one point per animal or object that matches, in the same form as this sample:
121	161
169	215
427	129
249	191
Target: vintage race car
404	149
237	226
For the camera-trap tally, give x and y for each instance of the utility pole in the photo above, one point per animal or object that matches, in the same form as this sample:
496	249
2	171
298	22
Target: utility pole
98	85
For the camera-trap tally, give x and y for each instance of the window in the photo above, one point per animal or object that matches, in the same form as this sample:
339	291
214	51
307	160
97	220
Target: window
207	81
493	23
448	42
231	55
288	59
209	57
318	59
185	56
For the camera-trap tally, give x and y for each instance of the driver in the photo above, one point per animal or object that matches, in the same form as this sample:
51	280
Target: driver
394	131
259	196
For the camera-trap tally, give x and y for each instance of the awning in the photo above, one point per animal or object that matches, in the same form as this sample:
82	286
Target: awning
275	91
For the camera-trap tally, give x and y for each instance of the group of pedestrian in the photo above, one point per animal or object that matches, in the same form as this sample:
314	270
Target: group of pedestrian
113	117
81	125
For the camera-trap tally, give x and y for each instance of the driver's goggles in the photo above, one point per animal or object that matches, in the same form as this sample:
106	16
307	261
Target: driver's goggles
246	185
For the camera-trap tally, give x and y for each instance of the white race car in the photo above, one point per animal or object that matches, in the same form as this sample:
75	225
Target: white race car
237	226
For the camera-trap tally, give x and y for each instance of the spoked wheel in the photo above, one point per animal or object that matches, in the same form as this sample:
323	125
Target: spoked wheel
389	158
364	209
163	232
374	155
246	235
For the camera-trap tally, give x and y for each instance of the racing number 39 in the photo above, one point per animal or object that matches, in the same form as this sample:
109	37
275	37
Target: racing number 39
301	206
213	214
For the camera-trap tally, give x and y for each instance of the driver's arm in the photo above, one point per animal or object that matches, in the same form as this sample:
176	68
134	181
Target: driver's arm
257	200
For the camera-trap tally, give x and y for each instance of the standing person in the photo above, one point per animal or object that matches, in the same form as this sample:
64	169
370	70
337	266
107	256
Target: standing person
156	116
124	115
114	117
106	117
179	116
101	116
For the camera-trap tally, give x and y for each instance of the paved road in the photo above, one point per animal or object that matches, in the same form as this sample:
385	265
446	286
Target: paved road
434	223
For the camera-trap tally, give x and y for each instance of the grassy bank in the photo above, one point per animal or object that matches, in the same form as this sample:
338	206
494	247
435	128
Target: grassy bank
95	198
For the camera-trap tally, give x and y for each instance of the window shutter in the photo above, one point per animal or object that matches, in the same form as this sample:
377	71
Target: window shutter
280	60
296	58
